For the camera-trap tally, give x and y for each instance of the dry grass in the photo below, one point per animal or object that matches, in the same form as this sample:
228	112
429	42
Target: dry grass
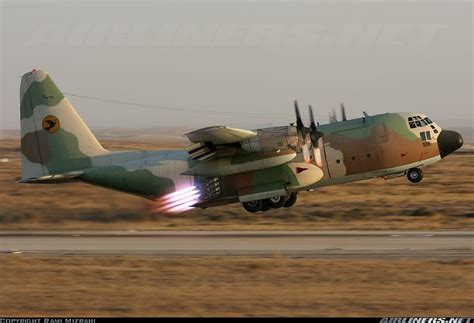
442	201
150	286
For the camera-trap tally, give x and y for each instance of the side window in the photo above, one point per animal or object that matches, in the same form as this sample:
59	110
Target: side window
412	124
428	120
434	129
410	119
425	135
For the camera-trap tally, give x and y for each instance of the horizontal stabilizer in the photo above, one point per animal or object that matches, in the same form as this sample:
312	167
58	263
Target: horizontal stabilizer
51	179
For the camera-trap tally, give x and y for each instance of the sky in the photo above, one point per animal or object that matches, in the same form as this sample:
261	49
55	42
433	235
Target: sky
241	63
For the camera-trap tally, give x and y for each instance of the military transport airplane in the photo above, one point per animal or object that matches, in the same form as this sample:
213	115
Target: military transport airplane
262	169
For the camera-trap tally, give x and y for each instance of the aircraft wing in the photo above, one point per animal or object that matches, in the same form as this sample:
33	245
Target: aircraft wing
206	140
220	135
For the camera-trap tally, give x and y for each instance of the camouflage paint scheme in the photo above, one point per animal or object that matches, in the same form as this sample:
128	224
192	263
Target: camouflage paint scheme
55	140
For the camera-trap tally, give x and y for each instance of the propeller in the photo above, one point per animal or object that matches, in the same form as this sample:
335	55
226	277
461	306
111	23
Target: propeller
316	138
299	122
332	116
309	146
343	112
302	132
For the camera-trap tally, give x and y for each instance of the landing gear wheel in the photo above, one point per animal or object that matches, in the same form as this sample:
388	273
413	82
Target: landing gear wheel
415	175
265	206
291	200
252	206
277	202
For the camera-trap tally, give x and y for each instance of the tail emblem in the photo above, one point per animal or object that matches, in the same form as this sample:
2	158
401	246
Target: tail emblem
51	124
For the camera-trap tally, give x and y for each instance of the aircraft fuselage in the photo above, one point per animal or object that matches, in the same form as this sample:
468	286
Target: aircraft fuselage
377	146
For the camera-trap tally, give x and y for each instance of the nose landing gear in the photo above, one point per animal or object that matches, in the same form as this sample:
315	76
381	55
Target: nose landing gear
415	175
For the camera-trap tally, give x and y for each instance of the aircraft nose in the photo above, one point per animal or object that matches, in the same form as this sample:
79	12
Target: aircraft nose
448	142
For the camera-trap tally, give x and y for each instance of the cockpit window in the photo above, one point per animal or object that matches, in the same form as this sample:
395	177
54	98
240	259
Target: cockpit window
417	121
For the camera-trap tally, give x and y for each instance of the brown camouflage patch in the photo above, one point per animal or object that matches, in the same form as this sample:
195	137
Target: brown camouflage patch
383	148
34	146
359	155
399	151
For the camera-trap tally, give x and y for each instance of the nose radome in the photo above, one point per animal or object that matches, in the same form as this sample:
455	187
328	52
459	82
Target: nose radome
448	142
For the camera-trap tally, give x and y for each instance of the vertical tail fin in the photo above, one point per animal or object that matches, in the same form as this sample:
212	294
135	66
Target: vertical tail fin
54	139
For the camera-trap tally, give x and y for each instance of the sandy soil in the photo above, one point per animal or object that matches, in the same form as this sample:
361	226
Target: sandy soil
151	286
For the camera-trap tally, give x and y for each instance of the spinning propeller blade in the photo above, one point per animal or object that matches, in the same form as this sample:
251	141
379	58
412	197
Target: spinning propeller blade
343	112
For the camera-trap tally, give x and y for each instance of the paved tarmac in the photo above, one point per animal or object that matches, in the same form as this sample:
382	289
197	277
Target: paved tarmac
316	244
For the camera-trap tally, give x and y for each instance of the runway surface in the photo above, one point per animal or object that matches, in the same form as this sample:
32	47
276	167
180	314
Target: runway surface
317	244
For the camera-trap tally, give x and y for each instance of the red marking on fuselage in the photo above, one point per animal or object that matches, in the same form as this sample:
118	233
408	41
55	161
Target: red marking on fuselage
300	170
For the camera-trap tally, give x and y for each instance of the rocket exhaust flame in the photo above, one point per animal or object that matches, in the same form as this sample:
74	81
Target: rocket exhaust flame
180	197
184	200
179	201
179	192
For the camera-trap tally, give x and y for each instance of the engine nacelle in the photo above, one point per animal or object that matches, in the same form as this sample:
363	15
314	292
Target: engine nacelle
305	174
290	177
271	139
241	164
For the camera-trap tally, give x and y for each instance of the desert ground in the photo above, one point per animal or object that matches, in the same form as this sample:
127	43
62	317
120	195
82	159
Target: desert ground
233	286
443	200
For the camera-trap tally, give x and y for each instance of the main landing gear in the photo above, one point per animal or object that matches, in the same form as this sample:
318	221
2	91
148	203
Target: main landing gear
275	202
415	175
